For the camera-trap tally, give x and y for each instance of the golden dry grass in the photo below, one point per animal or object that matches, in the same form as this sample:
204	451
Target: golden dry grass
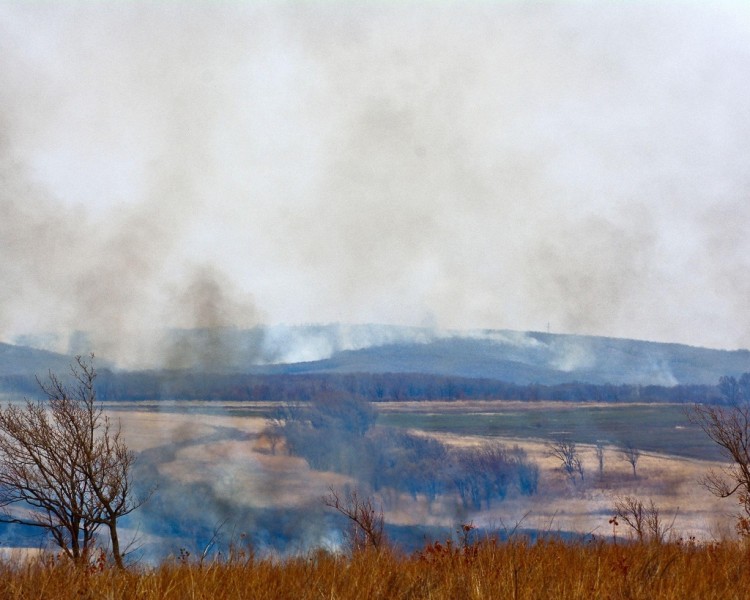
549	569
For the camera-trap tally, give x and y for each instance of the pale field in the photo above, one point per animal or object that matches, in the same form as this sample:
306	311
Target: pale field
672	482
241	470
244	471
144	430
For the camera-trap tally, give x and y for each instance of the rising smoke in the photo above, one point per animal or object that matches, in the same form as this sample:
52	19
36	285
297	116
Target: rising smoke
466	165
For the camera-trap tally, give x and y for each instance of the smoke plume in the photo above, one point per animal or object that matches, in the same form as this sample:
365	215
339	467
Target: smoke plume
463	165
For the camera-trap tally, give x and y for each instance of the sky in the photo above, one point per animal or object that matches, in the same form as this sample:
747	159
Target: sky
581	166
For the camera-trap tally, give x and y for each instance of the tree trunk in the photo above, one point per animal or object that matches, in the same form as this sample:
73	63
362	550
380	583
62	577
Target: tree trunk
75	550
115	544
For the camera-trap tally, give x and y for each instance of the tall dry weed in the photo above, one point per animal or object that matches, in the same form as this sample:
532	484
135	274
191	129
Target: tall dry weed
517	569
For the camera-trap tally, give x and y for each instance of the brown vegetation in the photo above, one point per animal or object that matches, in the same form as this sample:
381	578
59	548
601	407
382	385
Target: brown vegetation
517	569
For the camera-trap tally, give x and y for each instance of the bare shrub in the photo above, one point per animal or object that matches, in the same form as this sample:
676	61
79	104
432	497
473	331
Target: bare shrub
644	520
366	522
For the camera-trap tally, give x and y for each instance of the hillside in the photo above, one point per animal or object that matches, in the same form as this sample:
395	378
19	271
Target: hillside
514	357
531	357
23	360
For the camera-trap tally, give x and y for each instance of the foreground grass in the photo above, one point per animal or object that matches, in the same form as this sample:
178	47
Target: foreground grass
549	569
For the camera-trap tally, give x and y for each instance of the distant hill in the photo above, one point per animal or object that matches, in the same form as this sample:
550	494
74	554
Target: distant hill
511	356
23	360
539	358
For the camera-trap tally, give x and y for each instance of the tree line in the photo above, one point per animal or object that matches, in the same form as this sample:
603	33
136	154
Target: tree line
374	387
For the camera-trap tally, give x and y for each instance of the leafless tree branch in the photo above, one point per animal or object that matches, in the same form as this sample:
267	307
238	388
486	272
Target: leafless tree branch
566	451
729	427
366	521
65	465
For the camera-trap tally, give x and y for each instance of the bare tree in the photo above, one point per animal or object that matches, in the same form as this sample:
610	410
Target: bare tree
729	427
40	472
566	451
66	465
599	449
366	522
645	521
631	454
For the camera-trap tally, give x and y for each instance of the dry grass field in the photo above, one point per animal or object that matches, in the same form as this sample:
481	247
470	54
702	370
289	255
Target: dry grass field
225	452
514	570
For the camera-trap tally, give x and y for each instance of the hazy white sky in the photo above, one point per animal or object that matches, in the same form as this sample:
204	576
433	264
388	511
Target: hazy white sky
458	164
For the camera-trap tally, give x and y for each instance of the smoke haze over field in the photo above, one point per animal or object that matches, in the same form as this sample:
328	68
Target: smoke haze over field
460	165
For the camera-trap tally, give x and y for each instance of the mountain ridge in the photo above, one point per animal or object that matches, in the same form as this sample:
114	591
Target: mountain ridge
506	355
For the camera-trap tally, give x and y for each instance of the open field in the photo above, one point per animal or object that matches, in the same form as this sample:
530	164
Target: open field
662	428
216	448
653	427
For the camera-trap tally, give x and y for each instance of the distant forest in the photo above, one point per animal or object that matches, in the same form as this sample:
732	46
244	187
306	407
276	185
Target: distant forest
375	387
